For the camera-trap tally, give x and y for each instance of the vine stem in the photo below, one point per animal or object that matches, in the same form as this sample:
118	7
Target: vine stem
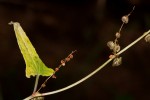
91	74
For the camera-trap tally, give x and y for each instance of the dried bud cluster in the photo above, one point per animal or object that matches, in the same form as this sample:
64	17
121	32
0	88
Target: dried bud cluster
114	45
117	61
115	48
67	59
63	62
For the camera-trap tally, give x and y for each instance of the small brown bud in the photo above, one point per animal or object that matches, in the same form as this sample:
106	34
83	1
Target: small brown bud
56	69
125	19
62	62
67	59
71	56
54	76
111	56
111	44
118	35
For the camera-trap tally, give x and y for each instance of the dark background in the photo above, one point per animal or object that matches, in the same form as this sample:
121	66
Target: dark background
57	27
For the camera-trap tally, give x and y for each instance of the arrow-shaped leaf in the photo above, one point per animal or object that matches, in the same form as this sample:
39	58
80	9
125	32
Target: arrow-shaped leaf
34	65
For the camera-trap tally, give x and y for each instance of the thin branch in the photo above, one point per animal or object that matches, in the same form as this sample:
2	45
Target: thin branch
78	82
94	72
43	84
131	11
98	69
121	27
125	20
72	85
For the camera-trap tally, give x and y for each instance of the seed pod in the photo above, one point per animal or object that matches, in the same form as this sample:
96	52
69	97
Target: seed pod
147	38
125	19
117	48
56	69
62	62
53	76
111	56
67	59
117	61
71	56
111	45
118	35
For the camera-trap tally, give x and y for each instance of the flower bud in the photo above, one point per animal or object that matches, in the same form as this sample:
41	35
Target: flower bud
62	62
71	56
111	45
117	61
117	48
111	56
125	19
56	69
118	35
67	59
53	76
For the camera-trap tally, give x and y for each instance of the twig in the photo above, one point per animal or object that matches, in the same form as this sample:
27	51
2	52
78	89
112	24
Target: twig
91	74
78	82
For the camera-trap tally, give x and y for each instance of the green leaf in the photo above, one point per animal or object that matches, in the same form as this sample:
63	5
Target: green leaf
34	65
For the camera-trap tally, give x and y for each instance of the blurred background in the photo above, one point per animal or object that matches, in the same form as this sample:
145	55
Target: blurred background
57	27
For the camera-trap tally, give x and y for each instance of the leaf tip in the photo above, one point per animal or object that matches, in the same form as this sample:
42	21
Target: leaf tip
11	23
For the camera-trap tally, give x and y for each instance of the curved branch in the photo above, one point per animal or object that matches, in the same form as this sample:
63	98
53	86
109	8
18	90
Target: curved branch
91	74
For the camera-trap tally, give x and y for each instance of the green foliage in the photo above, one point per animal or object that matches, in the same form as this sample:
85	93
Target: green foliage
34	65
